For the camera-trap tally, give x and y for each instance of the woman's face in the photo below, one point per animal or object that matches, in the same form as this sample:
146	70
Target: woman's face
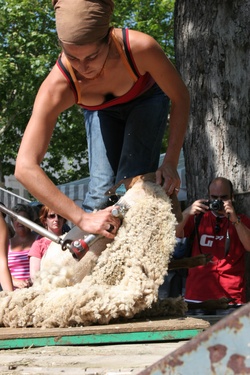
19	228
54	223
88	59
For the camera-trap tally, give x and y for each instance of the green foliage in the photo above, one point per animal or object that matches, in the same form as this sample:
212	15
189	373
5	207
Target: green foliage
28	45
153	17
68	147
29	50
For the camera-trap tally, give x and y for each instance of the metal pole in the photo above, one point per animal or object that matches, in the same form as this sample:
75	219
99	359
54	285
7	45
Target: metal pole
30	224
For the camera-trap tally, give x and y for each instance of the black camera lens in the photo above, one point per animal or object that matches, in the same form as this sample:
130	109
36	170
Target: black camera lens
216	205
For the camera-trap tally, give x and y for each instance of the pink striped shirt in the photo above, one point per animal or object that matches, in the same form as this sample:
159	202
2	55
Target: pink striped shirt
19	265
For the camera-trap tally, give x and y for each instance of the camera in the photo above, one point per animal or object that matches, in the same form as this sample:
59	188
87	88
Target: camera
215	205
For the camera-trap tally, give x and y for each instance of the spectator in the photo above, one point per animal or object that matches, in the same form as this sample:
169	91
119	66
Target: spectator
123	81
53	223
226	236
5	276
19	245
36	207
9	226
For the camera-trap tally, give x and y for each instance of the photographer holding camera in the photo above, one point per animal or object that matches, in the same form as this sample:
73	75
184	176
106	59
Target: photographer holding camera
223	234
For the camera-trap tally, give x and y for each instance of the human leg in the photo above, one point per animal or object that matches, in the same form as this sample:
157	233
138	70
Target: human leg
101	173
145	126
124	141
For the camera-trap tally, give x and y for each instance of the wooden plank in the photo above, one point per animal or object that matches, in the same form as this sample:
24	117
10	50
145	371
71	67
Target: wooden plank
212	319
131	326
137	337
135	331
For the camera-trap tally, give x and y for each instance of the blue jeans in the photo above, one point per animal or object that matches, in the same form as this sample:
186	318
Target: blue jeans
124	141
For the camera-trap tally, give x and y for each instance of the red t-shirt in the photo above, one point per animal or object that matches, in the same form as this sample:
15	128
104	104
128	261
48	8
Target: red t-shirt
39	247
224	275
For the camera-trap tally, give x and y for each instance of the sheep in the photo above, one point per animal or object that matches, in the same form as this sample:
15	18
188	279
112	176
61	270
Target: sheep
114	280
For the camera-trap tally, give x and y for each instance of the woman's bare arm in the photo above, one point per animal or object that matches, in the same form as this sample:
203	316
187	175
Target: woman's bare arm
150	57
54	97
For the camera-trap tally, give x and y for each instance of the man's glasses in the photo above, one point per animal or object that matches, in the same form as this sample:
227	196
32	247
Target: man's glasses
53	216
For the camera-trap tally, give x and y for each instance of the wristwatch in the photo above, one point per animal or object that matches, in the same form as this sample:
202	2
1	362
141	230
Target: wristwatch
235	223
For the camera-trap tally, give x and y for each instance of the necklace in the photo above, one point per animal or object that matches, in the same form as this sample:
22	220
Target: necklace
102	69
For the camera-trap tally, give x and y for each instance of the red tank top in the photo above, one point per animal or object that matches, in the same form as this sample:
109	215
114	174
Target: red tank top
141	85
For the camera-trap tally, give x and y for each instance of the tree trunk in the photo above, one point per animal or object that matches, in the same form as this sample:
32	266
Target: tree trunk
212	41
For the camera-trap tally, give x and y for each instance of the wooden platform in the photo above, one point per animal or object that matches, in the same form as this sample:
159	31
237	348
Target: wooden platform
136	331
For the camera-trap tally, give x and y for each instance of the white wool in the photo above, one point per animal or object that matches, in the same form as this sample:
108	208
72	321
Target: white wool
118	281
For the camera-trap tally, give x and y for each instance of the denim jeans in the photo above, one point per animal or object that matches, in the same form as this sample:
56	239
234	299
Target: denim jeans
124	141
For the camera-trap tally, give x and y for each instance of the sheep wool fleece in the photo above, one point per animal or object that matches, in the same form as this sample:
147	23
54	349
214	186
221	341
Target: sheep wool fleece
123	281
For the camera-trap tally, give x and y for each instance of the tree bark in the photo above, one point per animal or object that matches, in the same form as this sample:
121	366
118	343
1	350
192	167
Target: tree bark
212	42
212	46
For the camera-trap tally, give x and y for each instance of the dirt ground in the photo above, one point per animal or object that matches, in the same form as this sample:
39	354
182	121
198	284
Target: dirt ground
128	359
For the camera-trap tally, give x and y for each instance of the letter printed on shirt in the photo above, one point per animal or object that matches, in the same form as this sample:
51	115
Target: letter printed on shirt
206	240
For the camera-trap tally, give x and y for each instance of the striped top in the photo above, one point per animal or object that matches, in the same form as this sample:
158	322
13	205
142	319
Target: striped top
19	265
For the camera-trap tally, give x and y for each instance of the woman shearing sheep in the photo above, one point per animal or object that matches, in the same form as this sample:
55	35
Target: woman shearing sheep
123	81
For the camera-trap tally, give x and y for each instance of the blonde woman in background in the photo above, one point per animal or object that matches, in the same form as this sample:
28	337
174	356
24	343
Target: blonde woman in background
53	223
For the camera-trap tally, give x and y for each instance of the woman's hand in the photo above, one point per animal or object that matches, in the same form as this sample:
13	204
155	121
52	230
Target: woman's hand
19	284
168	177
100	222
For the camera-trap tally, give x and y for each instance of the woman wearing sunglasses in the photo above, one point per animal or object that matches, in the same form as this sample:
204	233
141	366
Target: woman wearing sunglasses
53	223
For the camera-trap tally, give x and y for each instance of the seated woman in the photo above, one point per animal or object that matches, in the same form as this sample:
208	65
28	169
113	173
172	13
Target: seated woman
53	223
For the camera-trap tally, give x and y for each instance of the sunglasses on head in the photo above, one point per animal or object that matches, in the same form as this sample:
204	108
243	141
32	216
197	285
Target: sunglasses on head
53	216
